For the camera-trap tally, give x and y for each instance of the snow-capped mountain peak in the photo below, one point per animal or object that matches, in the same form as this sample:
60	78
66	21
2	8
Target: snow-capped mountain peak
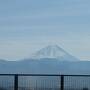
53	51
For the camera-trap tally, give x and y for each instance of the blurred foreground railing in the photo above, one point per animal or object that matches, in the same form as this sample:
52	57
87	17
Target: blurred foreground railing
44	82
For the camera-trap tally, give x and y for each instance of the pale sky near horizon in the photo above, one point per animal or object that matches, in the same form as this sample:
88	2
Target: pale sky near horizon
28	25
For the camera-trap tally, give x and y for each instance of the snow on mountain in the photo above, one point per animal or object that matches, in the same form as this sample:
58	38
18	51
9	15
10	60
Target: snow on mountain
54	51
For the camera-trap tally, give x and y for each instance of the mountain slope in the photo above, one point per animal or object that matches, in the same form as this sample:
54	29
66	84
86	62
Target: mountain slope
54	51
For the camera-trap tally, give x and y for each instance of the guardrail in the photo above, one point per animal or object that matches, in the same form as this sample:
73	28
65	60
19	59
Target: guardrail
44	82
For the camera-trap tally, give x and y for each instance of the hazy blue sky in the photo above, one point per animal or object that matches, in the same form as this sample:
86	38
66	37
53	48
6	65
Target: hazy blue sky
28	25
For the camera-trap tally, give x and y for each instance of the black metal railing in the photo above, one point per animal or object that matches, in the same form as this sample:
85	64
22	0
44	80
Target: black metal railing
44	82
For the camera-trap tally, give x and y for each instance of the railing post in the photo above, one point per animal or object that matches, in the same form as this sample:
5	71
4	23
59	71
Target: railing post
16	82
62	82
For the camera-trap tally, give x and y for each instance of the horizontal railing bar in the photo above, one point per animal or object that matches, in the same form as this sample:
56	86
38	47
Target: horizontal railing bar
39	75
42	75
78	75
30	74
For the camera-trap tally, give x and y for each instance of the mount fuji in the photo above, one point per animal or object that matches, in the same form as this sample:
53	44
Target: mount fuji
49	60
54	52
